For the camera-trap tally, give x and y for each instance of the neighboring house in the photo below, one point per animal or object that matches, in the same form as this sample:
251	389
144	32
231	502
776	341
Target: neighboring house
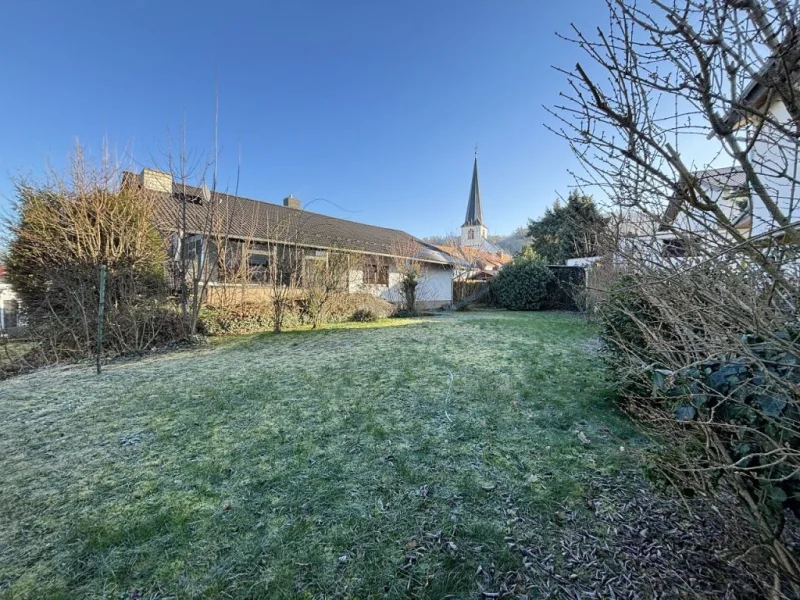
9	304
477	258
627	229
584	261
260	232
760	112
477	264
727	188
774	154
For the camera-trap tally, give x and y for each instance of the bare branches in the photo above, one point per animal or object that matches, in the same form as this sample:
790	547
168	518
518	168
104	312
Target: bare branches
711	288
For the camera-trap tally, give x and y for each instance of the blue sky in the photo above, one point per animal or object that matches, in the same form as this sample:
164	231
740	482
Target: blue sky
374	106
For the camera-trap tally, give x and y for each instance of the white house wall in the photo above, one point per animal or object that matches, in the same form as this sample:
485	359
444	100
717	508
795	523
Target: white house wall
774	153
437	285
435	288
7	295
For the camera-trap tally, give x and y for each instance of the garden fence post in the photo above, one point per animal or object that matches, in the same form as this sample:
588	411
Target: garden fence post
100	311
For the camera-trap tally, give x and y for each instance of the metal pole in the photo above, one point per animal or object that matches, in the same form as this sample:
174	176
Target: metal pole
100	311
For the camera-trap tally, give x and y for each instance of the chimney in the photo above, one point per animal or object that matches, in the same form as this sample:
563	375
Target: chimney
291	202
157	181
130	180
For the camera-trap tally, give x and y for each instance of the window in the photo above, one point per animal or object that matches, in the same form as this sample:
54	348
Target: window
10	309
258	266
736	203
274	266
470	234
674	248
314	270
189	198
376	271
194	247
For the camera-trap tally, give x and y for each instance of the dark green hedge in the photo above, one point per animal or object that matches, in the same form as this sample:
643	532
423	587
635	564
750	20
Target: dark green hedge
522	285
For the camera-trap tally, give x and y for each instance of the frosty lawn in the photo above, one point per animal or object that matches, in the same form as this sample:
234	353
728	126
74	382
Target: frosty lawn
392	459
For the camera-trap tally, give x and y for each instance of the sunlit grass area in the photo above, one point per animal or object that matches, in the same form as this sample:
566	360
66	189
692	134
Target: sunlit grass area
12	350
391	459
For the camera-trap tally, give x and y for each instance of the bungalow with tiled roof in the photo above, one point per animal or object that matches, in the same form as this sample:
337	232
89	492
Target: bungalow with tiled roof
376	255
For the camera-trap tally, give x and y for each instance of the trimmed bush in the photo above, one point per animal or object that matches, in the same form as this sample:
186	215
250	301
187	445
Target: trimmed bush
241	319
522	285
344	306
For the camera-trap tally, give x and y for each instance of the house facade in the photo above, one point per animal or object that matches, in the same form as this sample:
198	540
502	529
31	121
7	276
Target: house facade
762	113
255	245
727	189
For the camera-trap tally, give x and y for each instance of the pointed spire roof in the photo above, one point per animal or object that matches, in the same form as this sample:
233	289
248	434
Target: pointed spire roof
474	210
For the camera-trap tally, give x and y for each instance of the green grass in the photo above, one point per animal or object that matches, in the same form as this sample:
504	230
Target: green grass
12	350
363	460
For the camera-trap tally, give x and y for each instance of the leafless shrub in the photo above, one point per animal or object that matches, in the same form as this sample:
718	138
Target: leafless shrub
66	227
413	286
325	276
702	323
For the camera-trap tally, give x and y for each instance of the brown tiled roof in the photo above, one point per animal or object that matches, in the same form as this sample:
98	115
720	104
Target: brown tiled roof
245	218
478	256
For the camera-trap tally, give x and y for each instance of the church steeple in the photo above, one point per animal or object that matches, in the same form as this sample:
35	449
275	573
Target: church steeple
473	231
474	210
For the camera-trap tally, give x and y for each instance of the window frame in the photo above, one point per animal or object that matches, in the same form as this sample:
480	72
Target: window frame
255	273
375	271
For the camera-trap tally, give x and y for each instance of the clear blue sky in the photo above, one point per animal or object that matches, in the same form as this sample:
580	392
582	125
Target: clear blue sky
375	106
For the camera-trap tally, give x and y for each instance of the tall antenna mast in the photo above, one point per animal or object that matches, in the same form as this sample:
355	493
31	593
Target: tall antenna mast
676	122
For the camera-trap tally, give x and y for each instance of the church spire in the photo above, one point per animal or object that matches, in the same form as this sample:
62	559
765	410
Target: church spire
474	210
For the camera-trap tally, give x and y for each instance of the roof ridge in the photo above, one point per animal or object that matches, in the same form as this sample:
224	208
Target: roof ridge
300	210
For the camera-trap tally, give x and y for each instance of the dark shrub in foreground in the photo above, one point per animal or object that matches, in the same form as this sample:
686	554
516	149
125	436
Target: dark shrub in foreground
716	386
522	285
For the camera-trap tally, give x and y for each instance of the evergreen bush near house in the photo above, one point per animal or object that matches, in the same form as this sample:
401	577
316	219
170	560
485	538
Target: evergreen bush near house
522	285
568	230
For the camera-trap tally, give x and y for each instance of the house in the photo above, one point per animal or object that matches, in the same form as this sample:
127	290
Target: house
280	244
727	189
763	121
762	111
477	258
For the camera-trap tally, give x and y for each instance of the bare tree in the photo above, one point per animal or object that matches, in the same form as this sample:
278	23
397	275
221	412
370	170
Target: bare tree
67	227
715	282
466	261
324	277
414	281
